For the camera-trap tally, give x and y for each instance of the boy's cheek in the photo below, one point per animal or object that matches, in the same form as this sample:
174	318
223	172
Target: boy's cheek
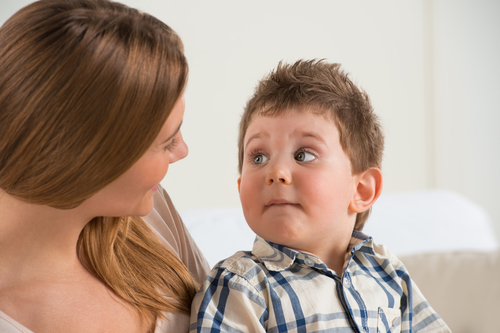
250	195
249	206
243	191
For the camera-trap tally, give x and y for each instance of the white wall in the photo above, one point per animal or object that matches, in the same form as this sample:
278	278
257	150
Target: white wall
430	67
466	105
230	47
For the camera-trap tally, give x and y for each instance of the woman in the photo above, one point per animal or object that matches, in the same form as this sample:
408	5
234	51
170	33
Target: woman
91	104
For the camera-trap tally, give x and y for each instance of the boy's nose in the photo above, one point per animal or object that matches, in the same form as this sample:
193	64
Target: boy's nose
279	175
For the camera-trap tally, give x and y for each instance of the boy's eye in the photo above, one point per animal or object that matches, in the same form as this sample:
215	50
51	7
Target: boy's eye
259	159
303	156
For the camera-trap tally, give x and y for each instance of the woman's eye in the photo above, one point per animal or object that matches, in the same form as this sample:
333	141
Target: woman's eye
303	156
172	145
259	159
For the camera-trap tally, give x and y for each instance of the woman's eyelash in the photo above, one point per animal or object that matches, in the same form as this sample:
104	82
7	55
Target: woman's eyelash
171	146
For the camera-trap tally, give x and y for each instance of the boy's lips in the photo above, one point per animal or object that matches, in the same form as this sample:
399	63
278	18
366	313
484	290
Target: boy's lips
279	202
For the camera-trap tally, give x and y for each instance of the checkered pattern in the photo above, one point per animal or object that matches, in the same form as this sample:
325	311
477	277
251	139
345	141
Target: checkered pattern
276	289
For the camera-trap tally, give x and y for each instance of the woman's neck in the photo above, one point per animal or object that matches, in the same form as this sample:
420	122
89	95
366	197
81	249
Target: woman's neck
37	241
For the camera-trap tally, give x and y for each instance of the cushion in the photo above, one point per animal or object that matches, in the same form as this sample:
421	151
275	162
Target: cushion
463	287
430	221
406	222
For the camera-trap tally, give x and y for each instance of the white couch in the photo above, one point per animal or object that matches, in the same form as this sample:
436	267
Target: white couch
446	242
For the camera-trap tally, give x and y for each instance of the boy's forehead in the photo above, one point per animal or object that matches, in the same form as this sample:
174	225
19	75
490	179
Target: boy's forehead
258	127
326	114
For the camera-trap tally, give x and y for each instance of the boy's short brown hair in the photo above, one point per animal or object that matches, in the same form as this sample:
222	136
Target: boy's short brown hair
325	87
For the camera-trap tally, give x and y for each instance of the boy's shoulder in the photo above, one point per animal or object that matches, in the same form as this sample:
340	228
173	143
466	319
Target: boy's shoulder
265	256
243	265
240	262
258	264
367	245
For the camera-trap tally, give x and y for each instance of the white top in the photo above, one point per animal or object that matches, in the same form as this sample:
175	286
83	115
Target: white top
167	223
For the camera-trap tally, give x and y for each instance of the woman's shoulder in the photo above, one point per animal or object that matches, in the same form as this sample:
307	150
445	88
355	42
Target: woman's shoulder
167	223
174	322
165	220
9	325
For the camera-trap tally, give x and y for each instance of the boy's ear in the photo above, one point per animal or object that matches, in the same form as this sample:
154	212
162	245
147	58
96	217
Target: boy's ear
239	183
368	189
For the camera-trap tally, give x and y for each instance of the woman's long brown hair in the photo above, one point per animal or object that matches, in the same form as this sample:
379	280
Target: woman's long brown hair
85	87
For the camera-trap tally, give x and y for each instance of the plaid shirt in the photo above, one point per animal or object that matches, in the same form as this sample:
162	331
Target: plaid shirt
276	289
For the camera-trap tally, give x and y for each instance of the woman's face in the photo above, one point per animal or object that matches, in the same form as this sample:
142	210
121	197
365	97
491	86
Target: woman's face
131	194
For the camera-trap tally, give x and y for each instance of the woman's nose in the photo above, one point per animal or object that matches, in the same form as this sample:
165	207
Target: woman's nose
180	151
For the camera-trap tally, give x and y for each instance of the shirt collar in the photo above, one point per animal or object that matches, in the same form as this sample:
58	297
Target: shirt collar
278	258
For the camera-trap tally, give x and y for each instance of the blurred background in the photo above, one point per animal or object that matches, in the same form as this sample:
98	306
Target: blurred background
431	68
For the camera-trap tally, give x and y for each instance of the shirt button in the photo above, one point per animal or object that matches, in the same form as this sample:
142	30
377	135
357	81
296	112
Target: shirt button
347	283
309	262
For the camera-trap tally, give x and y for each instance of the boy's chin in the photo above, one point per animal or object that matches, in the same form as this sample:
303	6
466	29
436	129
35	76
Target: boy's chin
290	240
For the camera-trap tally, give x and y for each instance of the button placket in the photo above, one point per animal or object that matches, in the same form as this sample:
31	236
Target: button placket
309	262
347	283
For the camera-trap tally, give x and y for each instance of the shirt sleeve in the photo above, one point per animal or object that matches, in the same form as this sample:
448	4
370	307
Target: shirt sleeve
425	319
167	223
422	316
228	302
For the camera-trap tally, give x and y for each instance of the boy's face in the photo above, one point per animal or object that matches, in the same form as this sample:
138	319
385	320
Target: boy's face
296	183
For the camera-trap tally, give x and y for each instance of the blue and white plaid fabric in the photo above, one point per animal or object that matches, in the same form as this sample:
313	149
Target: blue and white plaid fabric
276	289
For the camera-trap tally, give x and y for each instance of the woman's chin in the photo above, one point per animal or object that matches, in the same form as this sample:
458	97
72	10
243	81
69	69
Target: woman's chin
145	206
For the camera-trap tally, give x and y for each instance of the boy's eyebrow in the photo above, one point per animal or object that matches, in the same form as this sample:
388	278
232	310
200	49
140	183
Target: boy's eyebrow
256	136
313	135
175	133
303	134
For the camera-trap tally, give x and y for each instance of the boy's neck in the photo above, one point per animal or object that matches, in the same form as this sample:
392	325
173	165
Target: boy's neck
333	256
337	264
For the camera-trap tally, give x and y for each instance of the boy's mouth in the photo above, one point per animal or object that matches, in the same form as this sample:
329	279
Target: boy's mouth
273	202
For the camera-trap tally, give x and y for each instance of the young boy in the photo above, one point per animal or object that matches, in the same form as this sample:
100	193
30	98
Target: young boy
310	152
